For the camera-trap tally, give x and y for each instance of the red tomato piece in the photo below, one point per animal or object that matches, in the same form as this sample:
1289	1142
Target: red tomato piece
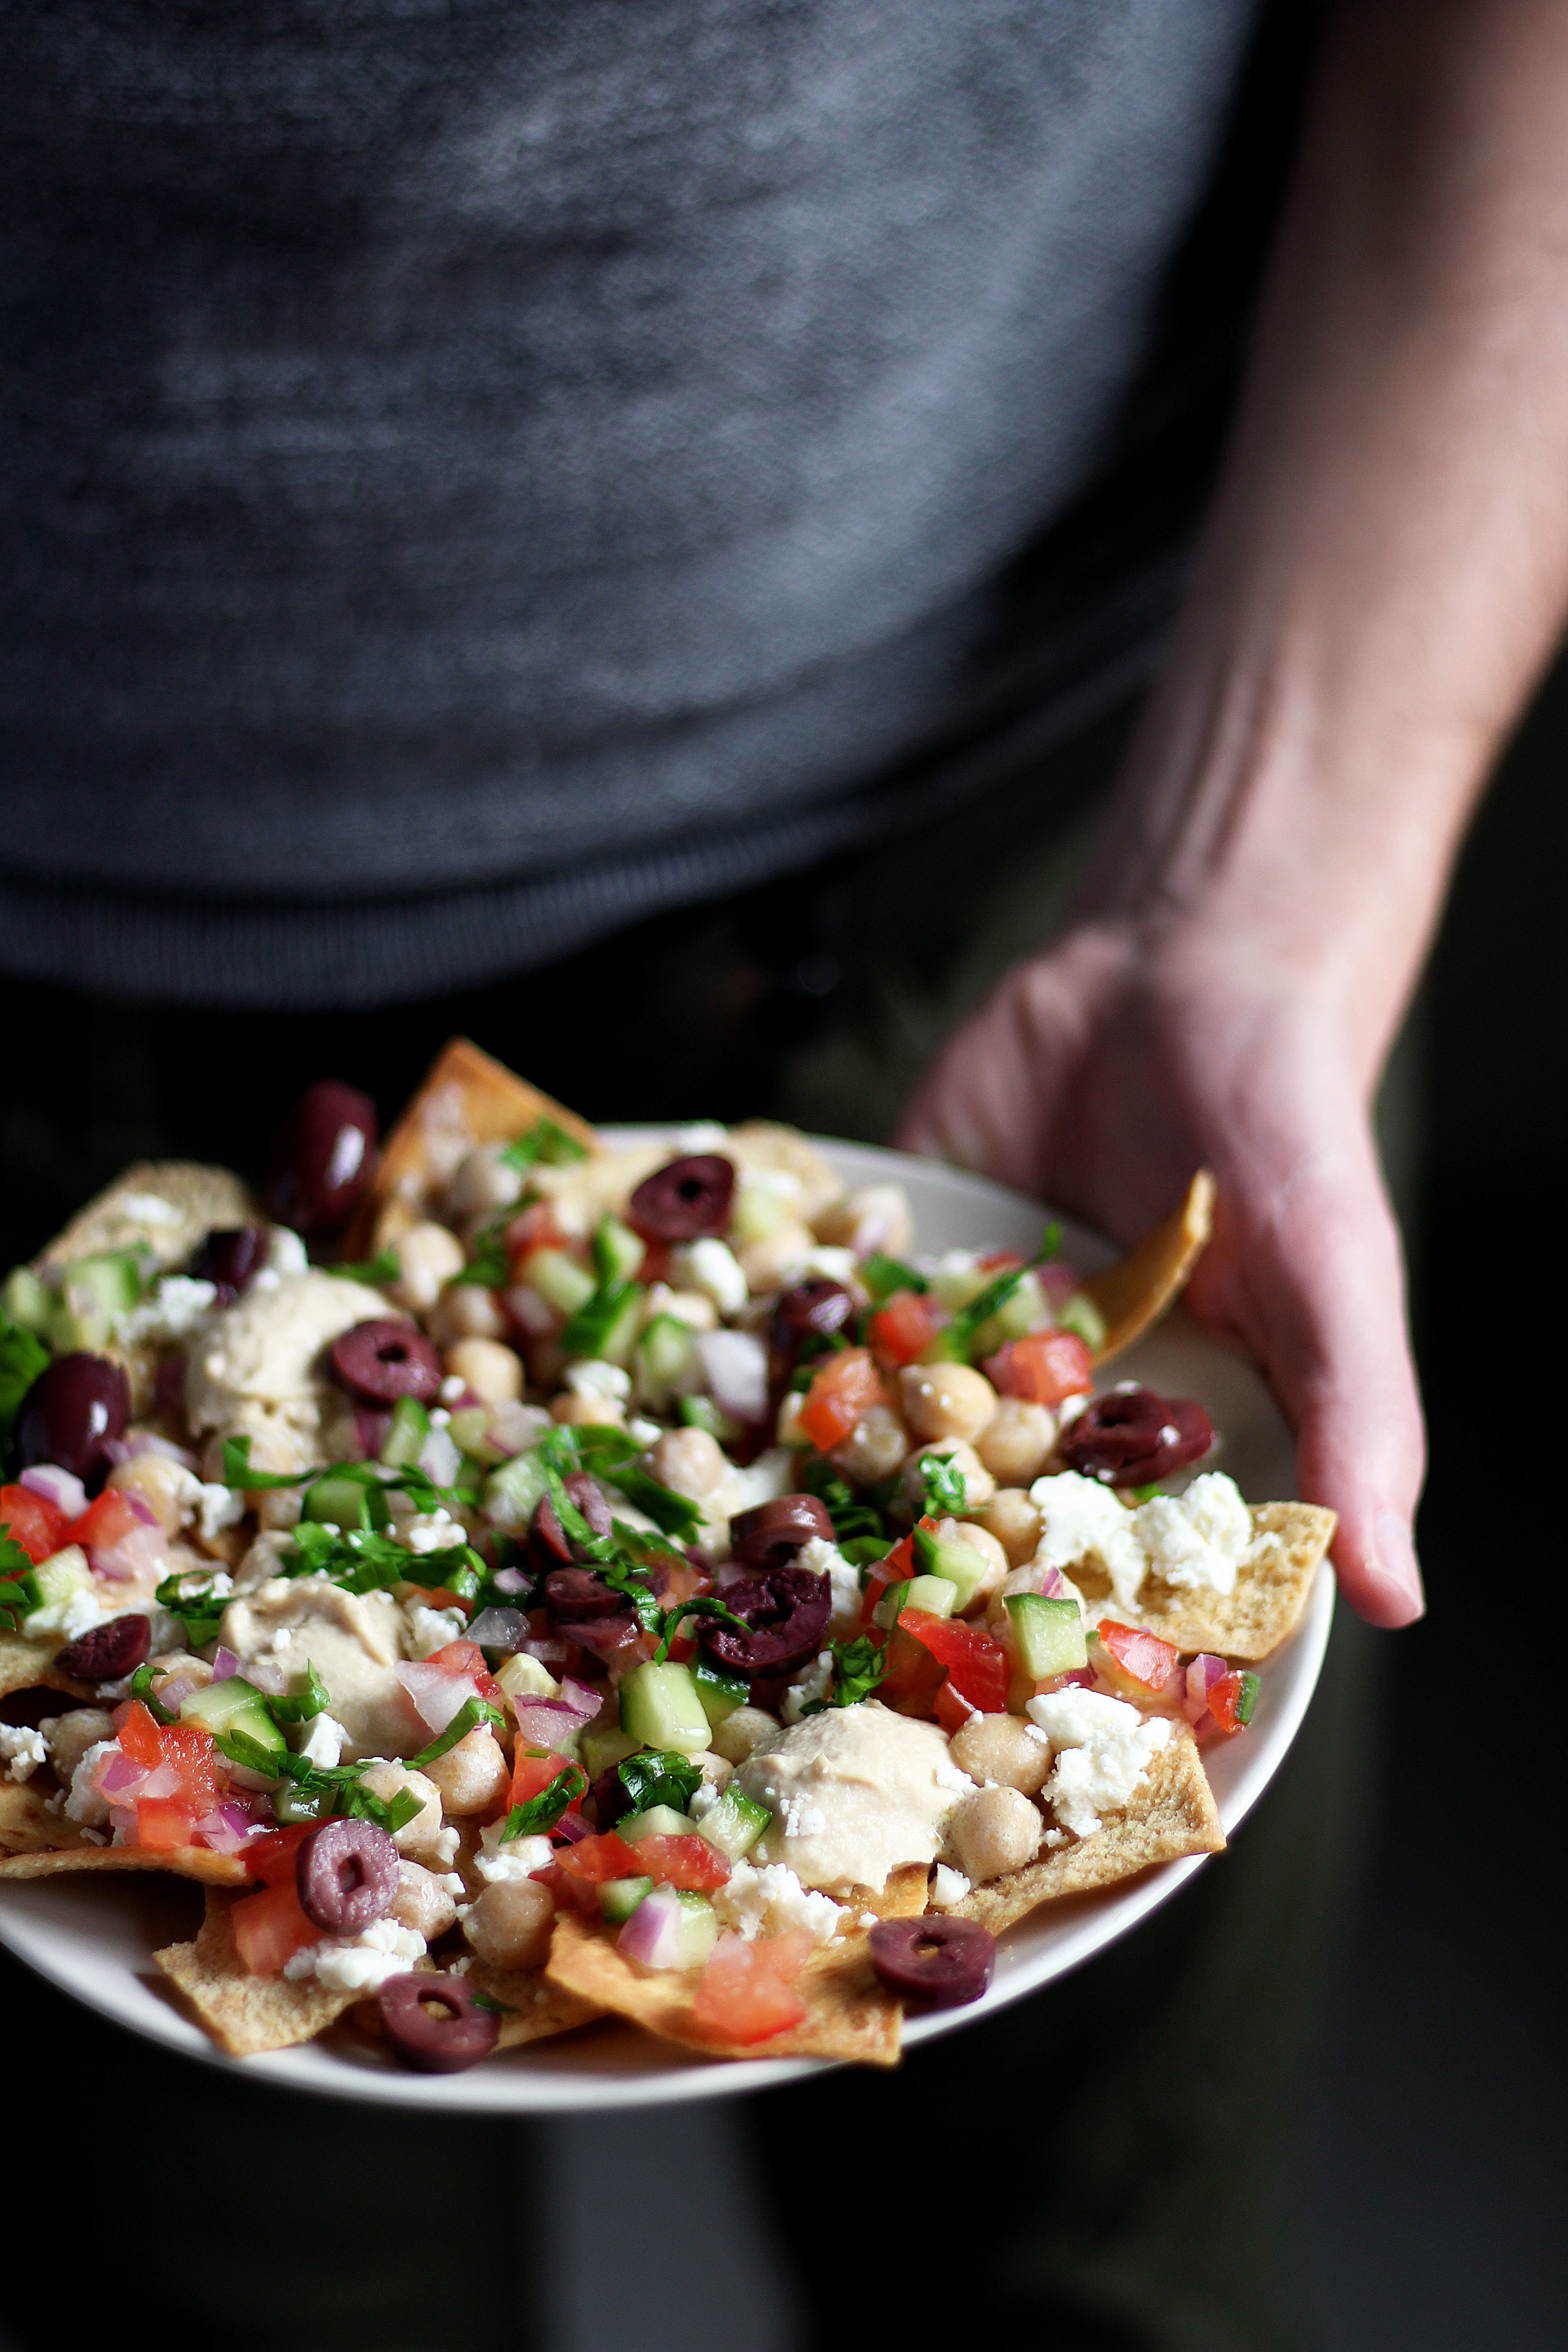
532	1773
904	1328
466	1658
1044	1367
1137	1662
1231	1702
39	1525
162	1822
895	1568
270	1927
274	1856
108	1521
977	1665
951	1712
843	1389
997	1261
138	1734
742	1997
686	1862
913	1676
592	1860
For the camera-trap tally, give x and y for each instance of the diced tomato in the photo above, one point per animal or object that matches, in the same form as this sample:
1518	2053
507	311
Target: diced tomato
895	1566
842	1391
532	1773
997	1261
274	1857
138	1734
592	1860
953	1712
466	1658
913	1677
270	1927
108	1521
686	1862
902	1331
977	1665
534	1228
1231	1701
1137	1662
39	1525
163	1822
785	1955
1044	1367
742	1997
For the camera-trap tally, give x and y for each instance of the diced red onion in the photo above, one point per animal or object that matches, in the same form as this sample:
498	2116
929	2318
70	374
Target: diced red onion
498	1629
736	1363
143	1510
120	1777
226	1829
1057	1280
531	1310
226	1662
440	1460
571	1826
510	1580
1075	1678
437	1692
133	1556
547	1648
266	1673
174	1692
61	1487
583	1697
652	1933
118	1450
1202	1675
547	1722
617	1641
1050	1583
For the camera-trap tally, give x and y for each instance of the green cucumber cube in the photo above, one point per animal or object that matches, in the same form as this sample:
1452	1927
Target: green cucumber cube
937	1595
619	1898
655	1820
660	1708
605	1745
958	1563
406	1438
111	1282
234	1704
63	1573
28	1301
618	1252
514	1492
735	1823
698	1928
668	1361
346	1502
701	1412
1049	1636
559	1280
1081	1314
719	1693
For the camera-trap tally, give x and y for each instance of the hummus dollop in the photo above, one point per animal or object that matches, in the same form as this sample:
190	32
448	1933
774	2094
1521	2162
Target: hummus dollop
855	1792
354	1646
261	1363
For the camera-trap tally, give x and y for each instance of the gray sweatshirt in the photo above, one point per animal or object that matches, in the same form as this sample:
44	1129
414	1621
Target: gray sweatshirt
479	471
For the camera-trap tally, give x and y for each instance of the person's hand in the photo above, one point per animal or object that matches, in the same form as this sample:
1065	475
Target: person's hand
1102	1073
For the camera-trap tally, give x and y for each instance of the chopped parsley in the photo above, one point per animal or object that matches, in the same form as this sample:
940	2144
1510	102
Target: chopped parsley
540	1813
469	1718
884	1275
659	1777
22	1357
946	1494
188	1595
383	1268
544	1142
858	1668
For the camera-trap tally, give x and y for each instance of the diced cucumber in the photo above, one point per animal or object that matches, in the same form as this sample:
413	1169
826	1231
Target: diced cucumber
406	1438
1048	1635
1081	1314
886	1613
719	1693
619	1898
759	1208
657	1820
71	1327
345	1503
618	1252
701	1412
514	1492
467	1430
667	1360
937	1595
607	1328
1017	1315
28	1301
525	1678
660	1708
671	1929
63	1573
603	1745
958	1563
955	1287
735	1823
559	1280
699	1927
111	1282
234	1704
292	1805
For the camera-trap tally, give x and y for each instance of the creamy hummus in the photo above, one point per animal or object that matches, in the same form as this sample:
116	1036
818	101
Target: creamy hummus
354	1646
855	1791
259	1366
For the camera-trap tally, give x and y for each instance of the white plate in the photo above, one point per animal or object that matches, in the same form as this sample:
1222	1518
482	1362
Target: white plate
93	1936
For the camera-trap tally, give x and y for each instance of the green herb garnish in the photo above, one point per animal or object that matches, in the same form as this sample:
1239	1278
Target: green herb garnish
22	1357
470	1716
884	1275
858	1667
659	1777
142	1688
304	1702
383	1268
543	1141
702	1607
188	1595
323	1791
946	1494
543	1812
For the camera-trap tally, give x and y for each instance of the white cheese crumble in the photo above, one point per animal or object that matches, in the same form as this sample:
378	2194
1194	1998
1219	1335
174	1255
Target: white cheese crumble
324	1742
1104	1749
431	1629
84	1804
173	1311
713	1267
702	1135
948	1887
444	1846
772	1902
519	1858
1080	1519
285	1253
835	1264
453	1387
435	1530
21	1749
592	1378
644	1433
216	1507
148	1209
75	1615
360	1963
824	1558
1198	1539
814	1683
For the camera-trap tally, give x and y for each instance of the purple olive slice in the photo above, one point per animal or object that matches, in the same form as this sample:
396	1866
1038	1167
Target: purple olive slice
435	2022
786	1613
940	1963
575	1596
73	1409
379	1361
346	1873
108	1650
685	1201
1132	1437
820	1304
230	1258
769	1535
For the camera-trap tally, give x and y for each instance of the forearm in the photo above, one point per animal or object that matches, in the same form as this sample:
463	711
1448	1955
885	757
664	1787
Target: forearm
1385	571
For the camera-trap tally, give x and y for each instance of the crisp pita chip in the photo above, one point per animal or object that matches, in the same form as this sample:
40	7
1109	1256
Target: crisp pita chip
849	2014
1172	1814
466	1098
247	2014
30	1666
1271	1591
903	1898
1135	1292
38	1843
533	2007
201	1197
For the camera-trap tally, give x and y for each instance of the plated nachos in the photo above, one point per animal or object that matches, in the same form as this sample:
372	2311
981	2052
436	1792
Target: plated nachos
527	1580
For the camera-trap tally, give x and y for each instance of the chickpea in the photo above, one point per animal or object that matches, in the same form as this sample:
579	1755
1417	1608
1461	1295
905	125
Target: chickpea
1004	1748
509	1925
420	1838
766	1263
1014	1521
689	1463
163	1485
692	1307
874	1448
741	1734
591	1412
946	1400
978	1483
472	1775
484	1184
872	1217
491	1371
464	1311
980	1541
1015	1443
421	1902
69	1737
427	1256
717	1770
992	1832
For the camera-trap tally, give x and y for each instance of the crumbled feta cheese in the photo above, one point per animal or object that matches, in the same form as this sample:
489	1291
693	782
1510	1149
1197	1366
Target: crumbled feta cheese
324	1742
148	1209
948	1776
834	1265
772	1902
439	1416
285	1253
1104	1749
84	1804
813	1682
769	1477
77	1614
216	1507
360	1963
173	1311
453	1387
520	1858
444	1846
592	1378
431	1629
435	1530
1080	1519
450	1881
21	1749
1198	1539
821	1558
713	1267
949	1887
644	1433
282	1640
702	1135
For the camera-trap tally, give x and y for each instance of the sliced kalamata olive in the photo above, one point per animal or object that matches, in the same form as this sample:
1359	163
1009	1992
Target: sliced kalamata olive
548	1538
589	1496
616	1642
820	1304
574	1596
787	1615
1132	1437
685	1201
611	1801
323	1157
940	1963
378	1362
346	1873
435	2022
770	1535
70	1413
231	1257
108	1650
